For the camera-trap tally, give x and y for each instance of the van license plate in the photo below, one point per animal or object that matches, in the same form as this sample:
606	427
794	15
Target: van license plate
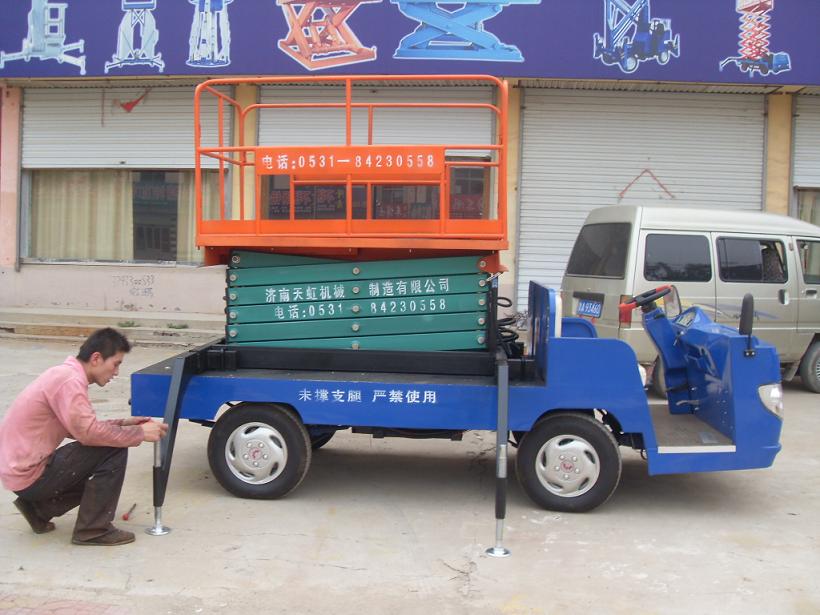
588	307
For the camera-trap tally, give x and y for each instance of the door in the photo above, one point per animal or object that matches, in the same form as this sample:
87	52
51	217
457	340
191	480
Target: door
682	258
808	301
758	265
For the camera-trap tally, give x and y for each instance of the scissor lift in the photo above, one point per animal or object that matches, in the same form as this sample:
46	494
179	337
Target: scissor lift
361	228
319	35
755	56
46	37
459	34
280	403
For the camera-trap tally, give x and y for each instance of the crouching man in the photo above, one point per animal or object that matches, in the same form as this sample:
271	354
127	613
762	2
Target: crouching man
49	481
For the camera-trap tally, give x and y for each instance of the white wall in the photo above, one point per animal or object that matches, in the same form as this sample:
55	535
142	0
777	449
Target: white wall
115	287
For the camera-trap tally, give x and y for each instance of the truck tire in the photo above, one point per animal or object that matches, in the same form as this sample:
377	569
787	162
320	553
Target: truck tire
810	368
569	463
259	451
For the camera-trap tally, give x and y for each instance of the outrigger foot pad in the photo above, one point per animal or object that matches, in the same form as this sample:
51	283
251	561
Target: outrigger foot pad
157	529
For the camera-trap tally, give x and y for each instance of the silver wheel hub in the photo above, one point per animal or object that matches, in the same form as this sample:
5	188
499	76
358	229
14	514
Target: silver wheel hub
567	466
256	453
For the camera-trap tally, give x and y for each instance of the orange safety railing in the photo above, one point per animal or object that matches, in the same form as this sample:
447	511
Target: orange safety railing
356	177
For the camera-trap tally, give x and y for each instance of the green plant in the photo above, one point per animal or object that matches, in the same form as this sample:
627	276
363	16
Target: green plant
125	324
173	325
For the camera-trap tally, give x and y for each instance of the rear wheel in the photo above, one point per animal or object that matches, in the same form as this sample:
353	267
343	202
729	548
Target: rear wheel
259	451
810	368
569	463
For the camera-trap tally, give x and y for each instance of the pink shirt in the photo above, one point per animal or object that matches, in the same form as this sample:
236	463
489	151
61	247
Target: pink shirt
53	407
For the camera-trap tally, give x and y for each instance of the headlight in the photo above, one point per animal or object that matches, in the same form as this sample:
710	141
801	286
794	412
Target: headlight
772	397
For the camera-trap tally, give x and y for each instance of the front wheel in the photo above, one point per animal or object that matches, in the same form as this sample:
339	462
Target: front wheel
259	451
568	463
810	368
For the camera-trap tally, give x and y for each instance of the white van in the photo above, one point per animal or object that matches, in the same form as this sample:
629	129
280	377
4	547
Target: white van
713	257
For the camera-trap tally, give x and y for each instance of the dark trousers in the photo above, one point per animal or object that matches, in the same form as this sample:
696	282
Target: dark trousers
86	476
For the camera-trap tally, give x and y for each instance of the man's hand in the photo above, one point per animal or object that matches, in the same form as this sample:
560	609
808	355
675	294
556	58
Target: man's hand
153	431
134	420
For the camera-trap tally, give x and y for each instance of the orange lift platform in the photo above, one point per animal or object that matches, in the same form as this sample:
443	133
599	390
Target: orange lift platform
359	199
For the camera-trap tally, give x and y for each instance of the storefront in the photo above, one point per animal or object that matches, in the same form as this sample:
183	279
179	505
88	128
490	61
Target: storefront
97	209
807	157
589	148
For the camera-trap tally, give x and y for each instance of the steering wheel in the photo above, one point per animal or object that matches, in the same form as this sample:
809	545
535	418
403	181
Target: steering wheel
647	297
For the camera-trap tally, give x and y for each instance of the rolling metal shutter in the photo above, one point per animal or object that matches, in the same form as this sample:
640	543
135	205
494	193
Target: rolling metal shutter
587	149
89	128
807	142
391	126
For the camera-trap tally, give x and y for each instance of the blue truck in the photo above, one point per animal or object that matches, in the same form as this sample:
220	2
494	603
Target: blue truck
407	342
569	403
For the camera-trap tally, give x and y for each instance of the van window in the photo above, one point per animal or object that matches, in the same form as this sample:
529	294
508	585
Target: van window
600	250
677	258
751	260
809	252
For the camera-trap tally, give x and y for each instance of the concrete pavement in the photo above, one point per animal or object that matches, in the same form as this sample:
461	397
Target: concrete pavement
401	526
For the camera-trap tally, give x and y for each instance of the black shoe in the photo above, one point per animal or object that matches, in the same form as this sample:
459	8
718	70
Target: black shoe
111	538
37	523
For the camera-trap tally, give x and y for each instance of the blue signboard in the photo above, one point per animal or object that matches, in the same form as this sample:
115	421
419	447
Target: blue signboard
721	41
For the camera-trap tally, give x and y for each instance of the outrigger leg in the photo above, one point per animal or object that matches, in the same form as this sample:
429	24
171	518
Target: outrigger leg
503	380
183	367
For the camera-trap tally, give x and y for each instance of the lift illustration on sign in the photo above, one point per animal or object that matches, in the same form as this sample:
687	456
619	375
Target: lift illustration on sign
139	14
46	37
632	36
755	56
455	35
210	42
319	35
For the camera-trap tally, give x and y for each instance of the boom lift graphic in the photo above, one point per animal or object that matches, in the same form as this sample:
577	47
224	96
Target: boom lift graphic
138	14
46	37
755	56
210	42
319	35
632	36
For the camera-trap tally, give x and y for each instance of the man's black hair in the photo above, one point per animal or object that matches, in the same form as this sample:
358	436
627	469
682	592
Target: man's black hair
107	342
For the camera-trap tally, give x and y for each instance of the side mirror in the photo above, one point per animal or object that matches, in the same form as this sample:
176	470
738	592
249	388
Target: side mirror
671	303
747	314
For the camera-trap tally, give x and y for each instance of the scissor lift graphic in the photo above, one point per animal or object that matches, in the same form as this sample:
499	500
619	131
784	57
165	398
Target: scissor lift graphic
319	36
458	34
138	16
46	37
210	42
631	36
754	41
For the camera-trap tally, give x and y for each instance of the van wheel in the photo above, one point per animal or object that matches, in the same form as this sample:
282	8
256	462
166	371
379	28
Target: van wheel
568	463
658	379
810	368
259	451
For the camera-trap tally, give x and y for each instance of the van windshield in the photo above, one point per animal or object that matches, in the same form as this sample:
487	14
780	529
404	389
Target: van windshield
600	250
